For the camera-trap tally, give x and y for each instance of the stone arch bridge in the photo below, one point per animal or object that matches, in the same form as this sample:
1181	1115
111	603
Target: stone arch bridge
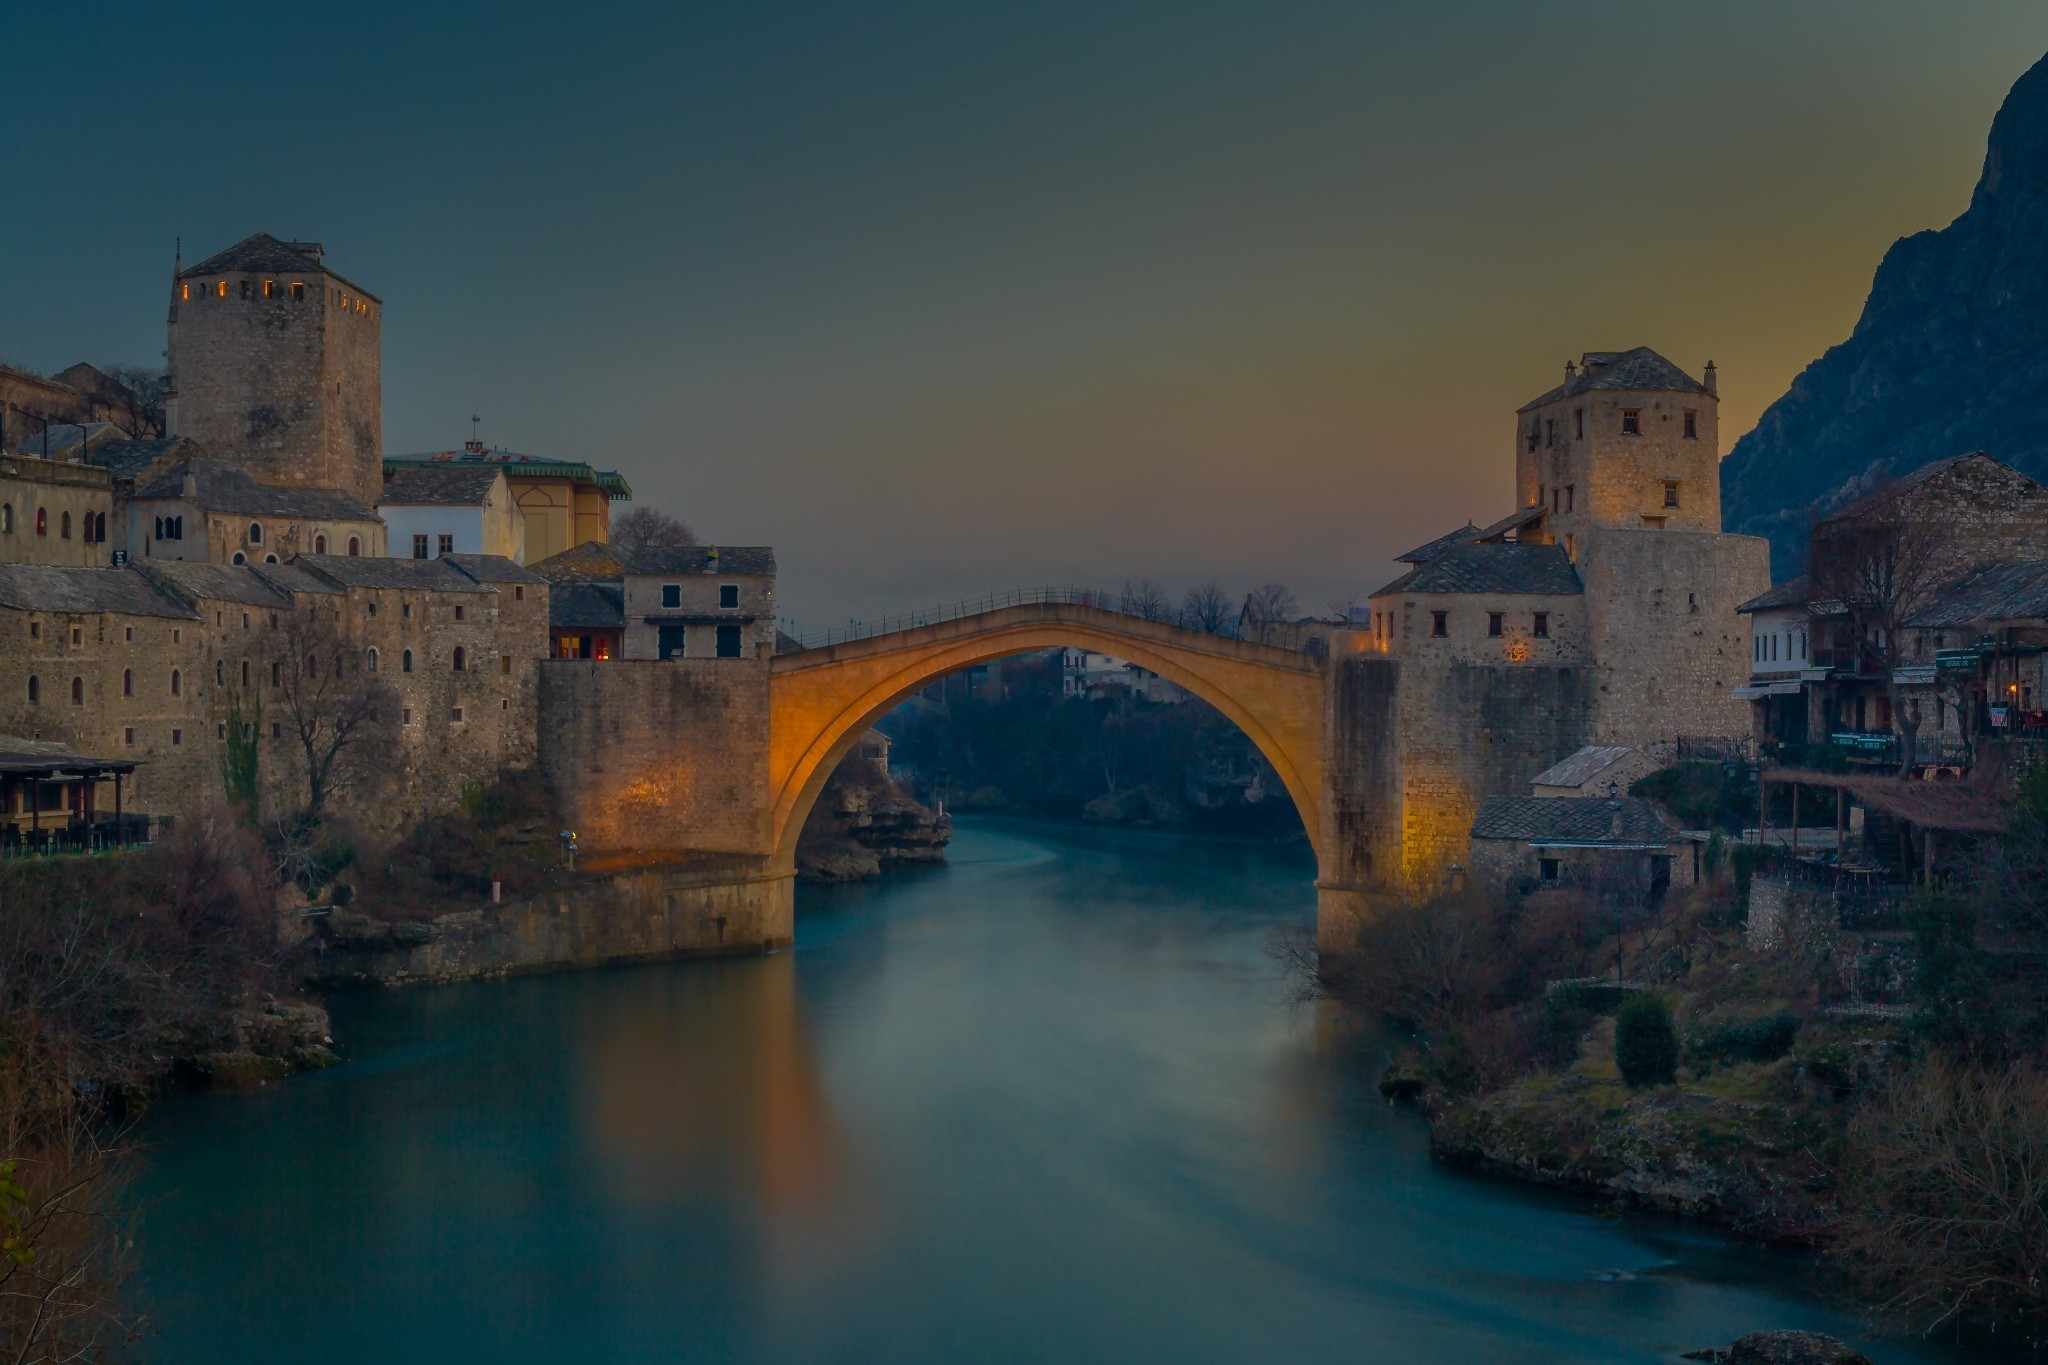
689	780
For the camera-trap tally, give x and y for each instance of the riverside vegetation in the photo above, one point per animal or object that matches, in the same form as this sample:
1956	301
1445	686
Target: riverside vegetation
1667	1059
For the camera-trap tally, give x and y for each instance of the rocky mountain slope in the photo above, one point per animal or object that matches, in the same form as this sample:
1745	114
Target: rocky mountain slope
1950	355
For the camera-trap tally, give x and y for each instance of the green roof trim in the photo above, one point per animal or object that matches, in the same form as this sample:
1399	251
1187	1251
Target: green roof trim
610	480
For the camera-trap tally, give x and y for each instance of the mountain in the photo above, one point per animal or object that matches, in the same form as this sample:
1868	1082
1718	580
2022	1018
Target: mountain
1950	355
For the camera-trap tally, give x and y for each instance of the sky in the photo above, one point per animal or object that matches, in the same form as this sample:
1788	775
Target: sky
940	299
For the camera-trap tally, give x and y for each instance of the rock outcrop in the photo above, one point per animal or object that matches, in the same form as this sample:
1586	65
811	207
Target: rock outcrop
864	822
1949	356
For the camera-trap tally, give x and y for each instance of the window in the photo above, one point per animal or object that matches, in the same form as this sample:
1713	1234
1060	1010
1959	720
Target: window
240	558
35	688
1571	547
220	672
128	736
245	672
1539	625
177	736
1692	425
298	290
1579	424
419	545
276	673
255	533
504	663
458	611
1671	492
269	288
245	289
78	635
1440	623
728	595
1556	499
671	596
461	659
7	517
127	682
405	610
457	716
371	608
405	716
319	545
728	642
1571	496
1535	433
184	291
312	666
405	662
370	659
519	592
177	683
447	545
128	635
277	729
670	642
64	527
1547	869
1550	432
355	547
78	691
1631	421
1496	622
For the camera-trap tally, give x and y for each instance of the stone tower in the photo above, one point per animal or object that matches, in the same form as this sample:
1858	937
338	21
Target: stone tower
274	367
1629	440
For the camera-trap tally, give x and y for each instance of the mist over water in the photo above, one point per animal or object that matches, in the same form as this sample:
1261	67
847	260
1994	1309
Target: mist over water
1047	1102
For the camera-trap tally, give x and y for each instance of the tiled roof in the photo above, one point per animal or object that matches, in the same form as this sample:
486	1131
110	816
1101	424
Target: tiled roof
465	485
1881	496
1422	554
1620	821
1537	570
61	440
590	562
126	459
704	559
47	587
219	582
370	571
224	488
1791	593
1998	592
587	606
1513	521
517	465
492	569
19	755
1638	369
1583	766
261	252
292	578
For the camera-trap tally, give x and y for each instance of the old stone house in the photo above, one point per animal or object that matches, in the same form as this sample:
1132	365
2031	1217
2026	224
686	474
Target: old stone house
212	510
700	602
1620	849
432	510
55	512
1596	770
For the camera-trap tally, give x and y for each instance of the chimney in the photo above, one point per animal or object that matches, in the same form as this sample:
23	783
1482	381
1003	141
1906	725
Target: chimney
473	448
1569	370
1711	381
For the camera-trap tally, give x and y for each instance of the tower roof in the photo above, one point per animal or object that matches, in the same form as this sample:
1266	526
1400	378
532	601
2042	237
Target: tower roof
1640	369
264	252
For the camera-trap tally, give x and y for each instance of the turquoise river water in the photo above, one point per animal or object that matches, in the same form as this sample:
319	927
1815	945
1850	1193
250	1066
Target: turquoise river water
1047	1103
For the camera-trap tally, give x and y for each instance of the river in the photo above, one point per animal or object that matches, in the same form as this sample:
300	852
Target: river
1048	1102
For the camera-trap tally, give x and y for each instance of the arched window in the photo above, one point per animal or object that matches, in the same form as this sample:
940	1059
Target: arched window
370	658
270	559
177	683
35	688
127	682
78	691
319	545
405	663
220	672
355	546
42	521
64	527
241	558
99	527
255	533
461	659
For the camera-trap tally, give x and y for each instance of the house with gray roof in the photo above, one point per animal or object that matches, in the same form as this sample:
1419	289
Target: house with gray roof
699	602
1490	603
1618	848
199	509
438	509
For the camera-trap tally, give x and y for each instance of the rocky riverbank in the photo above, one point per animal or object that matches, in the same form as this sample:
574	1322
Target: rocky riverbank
865	822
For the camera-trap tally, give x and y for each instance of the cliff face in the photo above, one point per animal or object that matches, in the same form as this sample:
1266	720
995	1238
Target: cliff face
1950	355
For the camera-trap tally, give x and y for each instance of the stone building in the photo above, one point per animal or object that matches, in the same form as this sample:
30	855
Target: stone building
36	408
54	512
211	510
700	602
431	510
1618	848
1596	770
565	503
275	366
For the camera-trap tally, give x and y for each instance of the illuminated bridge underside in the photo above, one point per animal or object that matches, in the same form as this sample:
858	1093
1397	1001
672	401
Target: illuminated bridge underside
822	700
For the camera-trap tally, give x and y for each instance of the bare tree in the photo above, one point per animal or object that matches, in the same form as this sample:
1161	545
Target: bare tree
1267	608
1206	608
650	528
341	717
1876	569
144	391
1146	599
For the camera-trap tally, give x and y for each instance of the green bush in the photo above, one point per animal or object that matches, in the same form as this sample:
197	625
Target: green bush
1645	1043
1753	1040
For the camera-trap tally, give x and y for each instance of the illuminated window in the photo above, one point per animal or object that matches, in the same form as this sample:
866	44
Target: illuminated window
1631	421
269	288
1439	623
1495	623
298	290
221	290
1540	626
184	291
1692	425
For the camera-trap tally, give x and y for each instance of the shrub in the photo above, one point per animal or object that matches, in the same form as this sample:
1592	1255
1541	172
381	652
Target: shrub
1645	1043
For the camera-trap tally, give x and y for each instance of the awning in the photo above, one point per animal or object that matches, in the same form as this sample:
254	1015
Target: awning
1753	691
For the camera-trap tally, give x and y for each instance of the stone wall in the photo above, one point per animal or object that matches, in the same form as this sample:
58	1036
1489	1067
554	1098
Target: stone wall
648	756
1467	622
1667	644
630	917
63	495
1360	865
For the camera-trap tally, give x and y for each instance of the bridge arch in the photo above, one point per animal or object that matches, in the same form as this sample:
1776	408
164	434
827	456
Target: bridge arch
822	700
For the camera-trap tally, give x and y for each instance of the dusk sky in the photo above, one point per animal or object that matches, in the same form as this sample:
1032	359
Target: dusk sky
941	299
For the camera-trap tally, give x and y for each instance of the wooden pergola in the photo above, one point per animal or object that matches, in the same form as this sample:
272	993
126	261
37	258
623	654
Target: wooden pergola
32	766
1977	806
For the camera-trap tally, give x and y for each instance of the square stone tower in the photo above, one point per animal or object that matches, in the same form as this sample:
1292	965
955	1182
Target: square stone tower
1628	441
274	363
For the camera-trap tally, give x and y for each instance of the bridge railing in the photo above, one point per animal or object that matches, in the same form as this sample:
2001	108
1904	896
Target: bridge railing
1104	599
